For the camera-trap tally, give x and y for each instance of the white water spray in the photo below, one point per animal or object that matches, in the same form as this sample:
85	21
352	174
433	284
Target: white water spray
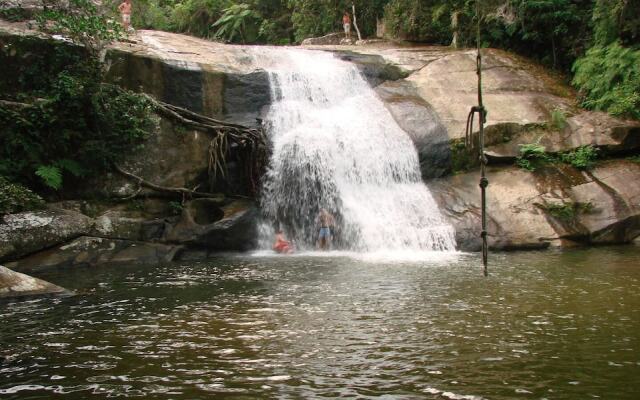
335	146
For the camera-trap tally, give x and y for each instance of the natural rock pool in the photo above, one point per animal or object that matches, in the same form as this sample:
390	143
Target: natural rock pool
556	325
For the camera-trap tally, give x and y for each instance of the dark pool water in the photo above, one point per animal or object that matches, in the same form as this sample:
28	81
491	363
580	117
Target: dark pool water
555	325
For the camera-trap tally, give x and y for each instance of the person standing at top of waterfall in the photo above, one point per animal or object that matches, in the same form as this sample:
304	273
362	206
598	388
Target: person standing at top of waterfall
346	23
325	236
125	12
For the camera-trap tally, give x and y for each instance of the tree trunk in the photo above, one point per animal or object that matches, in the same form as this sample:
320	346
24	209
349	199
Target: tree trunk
355	23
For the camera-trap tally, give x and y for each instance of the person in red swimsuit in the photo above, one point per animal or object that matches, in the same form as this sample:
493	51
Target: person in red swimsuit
346	24
282	245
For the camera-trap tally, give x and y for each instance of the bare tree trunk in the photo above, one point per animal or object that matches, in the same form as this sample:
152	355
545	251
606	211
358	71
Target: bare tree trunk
355	23
454	29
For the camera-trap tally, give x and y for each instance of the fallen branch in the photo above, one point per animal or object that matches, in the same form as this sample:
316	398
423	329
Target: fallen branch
165	189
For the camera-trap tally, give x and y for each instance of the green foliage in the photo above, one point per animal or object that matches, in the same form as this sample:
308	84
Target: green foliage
80	21
238	21
635	159
16	198
12	13
151	14
461	159
583	157
175	207
558	119
51	176
197	16
616	20
80	127
532	156
609	79
421	20
568	211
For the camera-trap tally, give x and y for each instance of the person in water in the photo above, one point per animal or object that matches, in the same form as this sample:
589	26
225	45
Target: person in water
326	223
282	245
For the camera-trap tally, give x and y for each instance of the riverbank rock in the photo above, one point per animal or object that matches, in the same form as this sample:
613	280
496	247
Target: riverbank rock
28	232
555	206
210	78
612	136
416	117
17	285
331	38
89	251
207	225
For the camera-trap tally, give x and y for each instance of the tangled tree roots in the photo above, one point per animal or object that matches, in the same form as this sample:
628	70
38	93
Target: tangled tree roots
250	143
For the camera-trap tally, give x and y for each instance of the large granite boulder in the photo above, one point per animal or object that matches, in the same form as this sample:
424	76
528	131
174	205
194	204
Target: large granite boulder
611	135
555	206
416	117
91	251
27	232
207	225
206	77
16	285
514	91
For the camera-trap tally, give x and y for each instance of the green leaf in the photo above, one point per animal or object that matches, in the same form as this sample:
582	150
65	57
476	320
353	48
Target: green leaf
50	175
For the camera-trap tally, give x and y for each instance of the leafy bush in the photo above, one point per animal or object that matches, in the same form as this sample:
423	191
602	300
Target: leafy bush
532	156
16	198
609	79
197	16
581	158
81	21
417	20
238	21
175	207
558	119
79	129
70	124
567	211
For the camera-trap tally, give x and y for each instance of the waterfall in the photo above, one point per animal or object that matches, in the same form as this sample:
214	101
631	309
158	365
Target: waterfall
335	146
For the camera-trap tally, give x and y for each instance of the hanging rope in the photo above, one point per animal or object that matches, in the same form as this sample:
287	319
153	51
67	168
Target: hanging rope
470	142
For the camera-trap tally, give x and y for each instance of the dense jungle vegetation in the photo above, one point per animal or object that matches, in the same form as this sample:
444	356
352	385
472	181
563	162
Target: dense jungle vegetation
59	122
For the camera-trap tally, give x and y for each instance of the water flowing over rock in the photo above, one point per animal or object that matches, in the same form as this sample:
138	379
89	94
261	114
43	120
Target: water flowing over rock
335	146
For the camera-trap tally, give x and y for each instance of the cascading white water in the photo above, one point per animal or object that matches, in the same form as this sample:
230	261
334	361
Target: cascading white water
335	146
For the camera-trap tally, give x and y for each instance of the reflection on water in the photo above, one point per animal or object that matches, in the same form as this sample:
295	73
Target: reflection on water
543	325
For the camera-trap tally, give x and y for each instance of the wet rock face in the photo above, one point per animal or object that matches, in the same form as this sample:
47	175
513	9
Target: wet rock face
416	117
373	67
230	94
557	205
204	224
90	251
18	285
28	232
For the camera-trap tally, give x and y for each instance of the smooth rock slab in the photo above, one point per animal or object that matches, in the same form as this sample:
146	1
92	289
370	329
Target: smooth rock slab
15	284
90	251
609	134
28	232
519	212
